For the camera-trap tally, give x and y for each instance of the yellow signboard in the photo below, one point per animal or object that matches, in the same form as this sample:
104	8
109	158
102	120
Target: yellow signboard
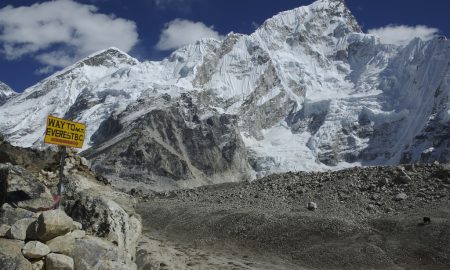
64	132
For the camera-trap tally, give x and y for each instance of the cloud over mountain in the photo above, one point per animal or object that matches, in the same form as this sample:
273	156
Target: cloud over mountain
403	34
69	29
178	33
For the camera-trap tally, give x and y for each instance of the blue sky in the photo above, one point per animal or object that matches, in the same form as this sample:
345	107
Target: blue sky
40	37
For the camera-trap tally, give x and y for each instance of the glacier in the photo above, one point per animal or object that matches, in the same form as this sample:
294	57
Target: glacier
308	90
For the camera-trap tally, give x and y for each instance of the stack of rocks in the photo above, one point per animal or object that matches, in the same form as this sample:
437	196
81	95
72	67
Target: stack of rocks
54	241
98	228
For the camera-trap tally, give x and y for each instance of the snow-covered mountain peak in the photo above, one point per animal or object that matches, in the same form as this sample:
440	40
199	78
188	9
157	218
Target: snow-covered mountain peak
5	93
321	18
306	91
109	57
5	89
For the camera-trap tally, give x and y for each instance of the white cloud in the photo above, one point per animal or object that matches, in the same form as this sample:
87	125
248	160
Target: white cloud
403	34
76	30
178	33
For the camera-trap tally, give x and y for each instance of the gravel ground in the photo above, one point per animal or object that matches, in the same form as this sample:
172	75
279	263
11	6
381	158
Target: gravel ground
366	218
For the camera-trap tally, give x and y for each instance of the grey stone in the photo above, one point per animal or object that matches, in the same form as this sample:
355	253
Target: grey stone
9	215
4	228
383	182
24	190
401	196
35	250
62	244
312	206
53	223
21	228
55	261
403	178
88	251
11	257
38	265
85	162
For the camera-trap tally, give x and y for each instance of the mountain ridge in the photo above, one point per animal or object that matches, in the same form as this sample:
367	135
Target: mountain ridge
306	91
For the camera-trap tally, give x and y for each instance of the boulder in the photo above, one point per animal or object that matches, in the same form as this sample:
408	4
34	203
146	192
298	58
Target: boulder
312	206
90	250
403	178
53	223
62	244
9	215
97	208
401	196
85	162
55	261
11	256
383	182
35	250
21	228
24	190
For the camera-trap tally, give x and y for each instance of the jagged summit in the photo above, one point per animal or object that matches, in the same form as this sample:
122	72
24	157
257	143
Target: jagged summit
5	93
5	89
319	18
109	57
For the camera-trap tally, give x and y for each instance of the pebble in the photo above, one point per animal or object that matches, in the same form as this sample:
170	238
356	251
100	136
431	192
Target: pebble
312	206
401	196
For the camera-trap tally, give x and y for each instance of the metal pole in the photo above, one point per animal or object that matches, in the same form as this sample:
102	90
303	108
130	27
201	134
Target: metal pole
61	173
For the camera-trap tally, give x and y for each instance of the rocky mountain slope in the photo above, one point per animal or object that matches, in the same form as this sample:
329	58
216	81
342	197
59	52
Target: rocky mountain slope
306	91
363	218
101	231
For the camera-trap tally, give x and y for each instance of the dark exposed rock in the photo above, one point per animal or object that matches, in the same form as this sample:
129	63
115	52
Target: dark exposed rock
169	147
4	172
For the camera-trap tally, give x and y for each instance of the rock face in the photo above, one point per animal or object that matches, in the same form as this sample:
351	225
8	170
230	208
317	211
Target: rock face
97	208
3	185
172	147
53	223
306	91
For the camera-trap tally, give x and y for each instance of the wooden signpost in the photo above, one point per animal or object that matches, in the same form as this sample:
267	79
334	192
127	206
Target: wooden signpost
64	133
